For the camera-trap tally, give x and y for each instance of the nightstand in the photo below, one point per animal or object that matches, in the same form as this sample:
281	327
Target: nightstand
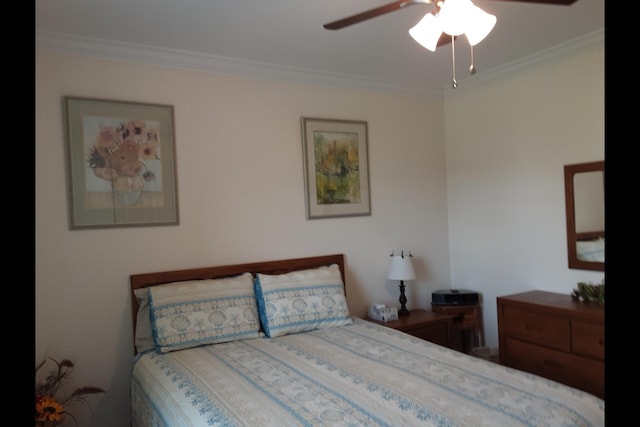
467	325
430	326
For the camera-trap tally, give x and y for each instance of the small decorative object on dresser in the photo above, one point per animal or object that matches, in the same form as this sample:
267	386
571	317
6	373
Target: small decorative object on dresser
423	324
554	336
589	292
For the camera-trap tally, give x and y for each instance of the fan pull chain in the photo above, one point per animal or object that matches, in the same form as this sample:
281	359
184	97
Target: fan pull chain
454	83
472	68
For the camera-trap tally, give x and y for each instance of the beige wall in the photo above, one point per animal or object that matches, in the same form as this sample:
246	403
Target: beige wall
507	142
485	212
241	197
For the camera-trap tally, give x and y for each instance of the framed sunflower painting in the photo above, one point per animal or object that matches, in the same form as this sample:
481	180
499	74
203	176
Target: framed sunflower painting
121	164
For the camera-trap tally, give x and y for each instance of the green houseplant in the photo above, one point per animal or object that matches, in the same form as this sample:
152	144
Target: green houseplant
589	292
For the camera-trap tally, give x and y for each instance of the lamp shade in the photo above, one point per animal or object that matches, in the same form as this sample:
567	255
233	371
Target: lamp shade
401	268
427	31
454	16
479	25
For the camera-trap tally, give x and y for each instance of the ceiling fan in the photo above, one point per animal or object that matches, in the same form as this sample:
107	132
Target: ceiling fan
448	20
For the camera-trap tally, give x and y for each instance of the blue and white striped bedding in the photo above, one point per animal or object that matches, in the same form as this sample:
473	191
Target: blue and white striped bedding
591	250
357	375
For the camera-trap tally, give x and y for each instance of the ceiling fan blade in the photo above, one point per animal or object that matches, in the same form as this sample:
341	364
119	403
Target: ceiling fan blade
558	2
397	5
372	13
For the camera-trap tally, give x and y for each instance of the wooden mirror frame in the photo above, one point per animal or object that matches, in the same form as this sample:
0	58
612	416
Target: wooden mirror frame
572	236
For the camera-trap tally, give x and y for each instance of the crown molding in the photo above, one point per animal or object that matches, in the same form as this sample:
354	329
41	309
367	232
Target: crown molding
50	42
546	56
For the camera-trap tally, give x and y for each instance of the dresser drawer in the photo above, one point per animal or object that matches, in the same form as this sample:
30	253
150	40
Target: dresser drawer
538	327
588	339
579	372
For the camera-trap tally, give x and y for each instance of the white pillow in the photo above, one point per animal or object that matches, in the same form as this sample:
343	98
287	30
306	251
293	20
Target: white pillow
197	312
302	301
144	336
591	250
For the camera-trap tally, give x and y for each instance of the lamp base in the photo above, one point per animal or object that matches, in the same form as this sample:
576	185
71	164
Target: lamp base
403	301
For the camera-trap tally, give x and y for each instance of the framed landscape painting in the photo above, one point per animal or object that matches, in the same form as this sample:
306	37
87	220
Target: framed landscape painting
120	163
336	168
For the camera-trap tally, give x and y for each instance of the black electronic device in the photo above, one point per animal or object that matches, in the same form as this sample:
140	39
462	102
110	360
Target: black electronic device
454	297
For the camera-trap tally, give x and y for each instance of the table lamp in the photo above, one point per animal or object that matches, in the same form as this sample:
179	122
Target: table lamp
401	269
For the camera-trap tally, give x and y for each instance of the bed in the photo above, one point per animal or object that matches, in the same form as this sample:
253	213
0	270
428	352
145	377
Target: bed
590	246
273	344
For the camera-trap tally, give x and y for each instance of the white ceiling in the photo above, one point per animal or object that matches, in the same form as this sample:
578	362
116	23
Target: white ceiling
287	35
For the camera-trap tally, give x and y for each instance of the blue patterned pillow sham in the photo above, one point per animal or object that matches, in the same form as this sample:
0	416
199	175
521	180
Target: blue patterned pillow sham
302	301
197	312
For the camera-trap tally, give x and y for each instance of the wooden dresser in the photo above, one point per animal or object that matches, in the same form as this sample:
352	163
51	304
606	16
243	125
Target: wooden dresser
551	335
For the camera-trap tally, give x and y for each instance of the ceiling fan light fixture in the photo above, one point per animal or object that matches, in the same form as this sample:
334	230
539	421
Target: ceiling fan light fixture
427	31
455	16
452	17
480	25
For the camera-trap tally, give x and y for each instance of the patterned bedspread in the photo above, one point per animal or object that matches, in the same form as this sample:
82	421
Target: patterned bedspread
357	375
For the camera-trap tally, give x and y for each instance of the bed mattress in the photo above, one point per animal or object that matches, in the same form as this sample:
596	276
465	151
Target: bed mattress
357	375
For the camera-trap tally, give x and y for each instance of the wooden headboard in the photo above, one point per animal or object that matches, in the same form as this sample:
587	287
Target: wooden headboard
145	280
585	236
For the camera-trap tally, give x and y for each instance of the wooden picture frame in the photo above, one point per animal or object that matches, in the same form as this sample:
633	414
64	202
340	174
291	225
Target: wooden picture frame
121	163
584	193
336	168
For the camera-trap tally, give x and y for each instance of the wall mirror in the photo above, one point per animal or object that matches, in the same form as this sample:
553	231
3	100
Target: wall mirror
584	198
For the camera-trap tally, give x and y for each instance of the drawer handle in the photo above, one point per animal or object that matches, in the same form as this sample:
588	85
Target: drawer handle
601	342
